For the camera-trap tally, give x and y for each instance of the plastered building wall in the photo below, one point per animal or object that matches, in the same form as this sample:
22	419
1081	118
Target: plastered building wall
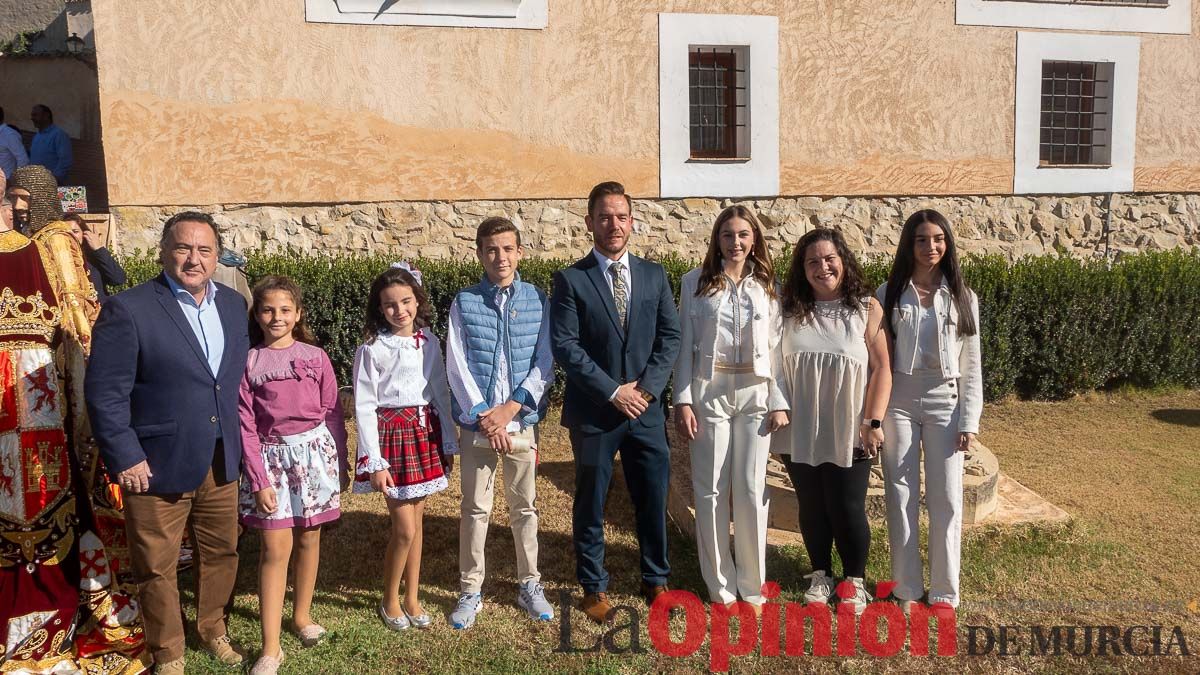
218	102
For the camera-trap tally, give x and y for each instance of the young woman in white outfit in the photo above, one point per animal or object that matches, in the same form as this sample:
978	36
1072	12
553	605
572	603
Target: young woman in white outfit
727	400
937	397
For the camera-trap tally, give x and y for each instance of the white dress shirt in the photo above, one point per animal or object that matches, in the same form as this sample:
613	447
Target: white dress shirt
734	323
606	262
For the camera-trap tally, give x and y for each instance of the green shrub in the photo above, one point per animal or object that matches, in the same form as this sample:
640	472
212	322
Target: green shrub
1052	326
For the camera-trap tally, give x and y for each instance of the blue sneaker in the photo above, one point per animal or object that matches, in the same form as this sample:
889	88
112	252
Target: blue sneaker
465	609
532	598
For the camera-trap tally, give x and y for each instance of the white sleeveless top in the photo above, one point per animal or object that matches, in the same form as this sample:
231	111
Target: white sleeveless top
825	380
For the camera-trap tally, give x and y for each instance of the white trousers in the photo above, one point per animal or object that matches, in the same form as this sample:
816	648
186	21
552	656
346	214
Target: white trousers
477	469
923	412
729	467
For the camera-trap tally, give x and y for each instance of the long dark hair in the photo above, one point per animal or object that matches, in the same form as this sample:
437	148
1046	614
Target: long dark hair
376	322
798	300
902	268
267	284
712	278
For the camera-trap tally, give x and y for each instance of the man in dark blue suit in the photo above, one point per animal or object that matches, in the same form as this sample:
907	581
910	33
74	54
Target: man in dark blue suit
615	332
162	390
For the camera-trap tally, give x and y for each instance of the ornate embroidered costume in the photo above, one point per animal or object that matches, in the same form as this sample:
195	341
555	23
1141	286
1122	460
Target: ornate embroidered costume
60	609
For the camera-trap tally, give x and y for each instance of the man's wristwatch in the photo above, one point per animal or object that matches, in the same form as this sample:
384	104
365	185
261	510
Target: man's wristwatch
874	424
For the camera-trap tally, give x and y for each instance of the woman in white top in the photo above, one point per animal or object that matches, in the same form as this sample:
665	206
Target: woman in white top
727	400
937	398
837	380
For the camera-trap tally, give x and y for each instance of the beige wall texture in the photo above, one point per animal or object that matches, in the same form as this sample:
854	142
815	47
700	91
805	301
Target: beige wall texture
217	102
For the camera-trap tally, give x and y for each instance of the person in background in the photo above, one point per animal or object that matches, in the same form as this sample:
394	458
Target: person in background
51	147
932	319
12	150
837	377
103	269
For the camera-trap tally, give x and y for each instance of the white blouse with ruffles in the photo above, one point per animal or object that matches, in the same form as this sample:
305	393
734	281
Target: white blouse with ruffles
825	380
399	372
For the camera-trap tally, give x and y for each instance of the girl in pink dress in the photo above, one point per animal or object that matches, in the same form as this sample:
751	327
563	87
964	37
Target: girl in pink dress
293	459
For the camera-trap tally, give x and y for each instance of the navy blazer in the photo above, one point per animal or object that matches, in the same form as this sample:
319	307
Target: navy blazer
598	354
150	392
103	270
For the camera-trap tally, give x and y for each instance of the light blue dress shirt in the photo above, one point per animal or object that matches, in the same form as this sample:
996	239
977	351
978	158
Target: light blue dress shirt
52	149
204	320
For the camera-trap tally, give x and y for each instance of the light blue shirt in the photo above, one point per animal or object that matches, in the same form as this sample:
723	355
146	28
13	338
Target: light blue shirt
12	153
52	149
204	320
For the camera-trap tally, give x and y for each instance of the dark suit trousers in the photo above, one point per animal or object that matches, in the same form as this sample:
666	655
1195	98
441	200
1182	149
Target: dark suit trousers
154	524
646	460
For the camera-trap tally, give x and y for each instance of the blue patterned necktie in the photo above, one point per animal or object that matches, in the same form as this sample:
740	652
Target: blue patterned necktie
620	292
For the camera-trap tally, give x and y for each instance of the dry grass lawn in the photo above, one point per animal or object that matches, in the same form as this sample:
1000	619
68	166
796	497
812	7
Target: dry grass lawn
1125	465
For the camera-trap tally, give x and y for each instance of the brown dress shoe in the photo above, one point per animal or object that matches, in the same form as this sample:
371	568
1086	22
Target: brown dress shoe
596	606
651	593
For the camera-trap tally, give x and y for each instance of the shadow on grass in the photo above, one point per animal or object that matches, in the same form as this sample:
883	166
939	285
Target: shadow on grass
1182	417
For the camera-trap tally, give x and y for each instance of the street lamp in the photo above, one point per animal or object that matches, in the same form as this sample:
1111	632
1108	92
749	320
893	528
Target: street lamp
75	44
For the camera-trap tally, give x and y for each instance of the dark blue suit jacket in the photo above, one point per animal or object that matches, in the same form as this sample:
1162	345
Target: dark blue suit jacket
151	394
598	354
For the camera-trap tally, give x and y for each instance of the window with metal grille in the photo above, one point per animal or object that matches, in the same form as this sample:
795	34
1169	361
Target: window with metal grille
1076	120
719	111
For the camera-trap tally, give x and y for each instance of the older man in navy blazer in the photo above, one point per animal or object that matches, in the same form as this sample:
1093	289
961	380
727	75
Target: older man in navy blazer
615	332
162	389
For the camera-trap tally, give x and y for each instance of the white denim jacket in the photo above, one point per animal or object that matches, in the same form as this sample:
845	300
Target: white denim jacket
959	355
698	339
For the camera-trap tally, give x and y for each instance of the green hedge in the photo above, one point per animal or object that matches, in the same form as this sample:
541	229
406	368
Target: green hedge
1052	326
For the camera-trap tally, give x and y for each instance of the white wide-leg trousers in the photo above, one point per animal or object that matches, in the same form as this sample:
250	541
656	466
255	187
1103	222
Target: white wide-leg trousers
923	412
729	467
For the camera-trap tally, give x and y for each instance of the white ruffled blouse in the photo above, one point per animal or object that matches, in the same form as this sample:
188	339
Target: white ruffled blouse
393	371
825	381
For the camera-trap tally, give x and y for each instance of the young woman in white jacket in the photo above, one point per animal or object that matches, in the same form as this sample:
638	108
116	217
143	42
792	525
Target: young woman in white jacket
937	398
727	400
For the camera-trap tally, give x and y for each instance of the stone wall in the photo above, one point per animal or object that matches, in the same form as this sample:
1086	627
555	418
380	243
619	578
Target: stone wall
1013	226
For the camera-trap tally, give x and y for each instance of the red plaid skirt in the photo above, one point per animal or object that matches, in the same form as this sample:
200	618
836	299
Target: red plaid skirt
410	439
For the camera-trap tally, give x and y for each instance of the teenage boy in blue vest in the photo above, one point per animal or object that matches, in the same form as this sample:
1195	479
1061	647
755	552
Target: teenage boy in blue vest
500	368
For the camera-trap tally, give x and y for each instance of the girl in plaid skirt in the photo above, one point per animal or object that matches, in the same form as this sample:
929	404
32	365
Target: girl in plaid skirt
405	428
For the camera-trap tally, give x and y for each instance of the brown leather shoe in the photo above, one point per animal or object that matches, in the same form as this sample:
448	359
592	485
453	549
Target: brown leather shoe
651	593
597	607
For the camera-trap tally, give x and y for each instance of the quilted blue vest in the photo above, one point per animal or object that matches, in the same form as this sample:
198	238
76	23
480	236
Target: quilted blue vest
485	333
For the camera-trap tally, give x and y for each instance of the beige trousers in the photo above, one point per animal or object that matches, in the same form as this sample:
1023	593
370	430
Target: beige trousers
478	475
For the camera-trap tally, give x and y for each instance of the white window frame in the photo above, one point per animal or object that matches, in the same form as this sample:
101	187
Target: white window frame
1175	18
529	14
1032	49
679	174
